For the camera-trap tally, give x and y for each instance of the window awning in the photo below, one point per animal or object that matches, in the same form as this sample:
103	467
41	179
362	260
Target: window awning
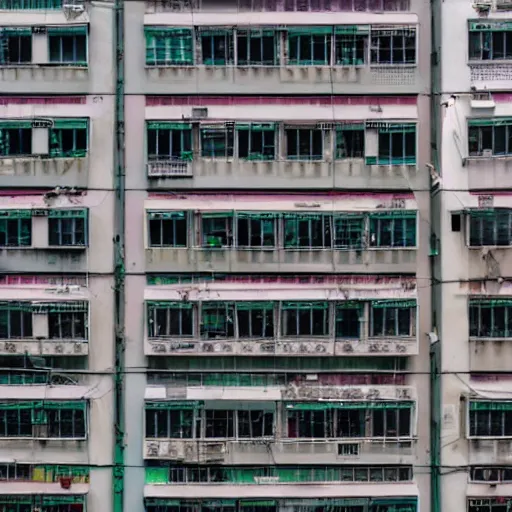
64	213
310	31
305	305
490	26
152	215
167	125
15	31
175	404
6	124
393	303
68	30
256	127
490	406
352	29
70	123
161	31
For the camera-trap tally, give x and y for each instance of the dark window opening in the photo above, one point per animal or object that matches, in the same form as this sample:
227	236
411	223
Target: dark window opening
305	320
349	143
168	232
256	232
170	321
15	141
217	320
304	144
70	49
67	325
217	232
256	48
255	322
16	50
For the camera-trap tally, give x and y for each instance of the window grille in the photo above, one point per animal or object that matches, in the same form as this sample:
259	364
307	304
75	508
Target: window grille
67	45
169	46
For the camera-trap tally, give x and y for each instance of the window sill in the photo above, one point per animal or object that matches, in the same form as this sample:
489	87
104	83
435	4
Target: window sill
489	247
67	247
285	249
50	439
26	65
277	67
487	339
489	62
45	248
490	438
487	158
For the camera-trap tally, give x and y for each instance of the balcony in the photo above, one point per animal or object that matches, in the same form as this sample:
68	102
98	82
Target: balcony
281	452
272	79
490	451
39	259
44	172
44	347
350	173
489	173
197	259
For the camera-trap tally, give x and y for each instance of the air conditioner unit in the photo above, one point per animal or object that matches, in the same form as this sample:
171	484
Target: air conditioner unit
487	153
199	113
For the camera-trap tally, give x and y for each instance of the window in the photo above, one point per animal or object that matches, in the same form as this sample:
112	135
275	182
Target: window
168	229
257	48
491	40
393	229
349	141
311	424
305	319
490	474
217	320
393	46
489	504
490	227
307	231
350	423
68	45
68	320
220	423
43	503
348	319
15	228
19	5
57	420
309	46
168	46
256	141
217	47
15	138
217	230
169	141
173	421
67	228
393	318
66	423
490	137
490	419
217	142
326	5
255	319
350	45
392	422
15	46
304	143
168	319
397	145
490	318
349	231
256	230
68	138
15	320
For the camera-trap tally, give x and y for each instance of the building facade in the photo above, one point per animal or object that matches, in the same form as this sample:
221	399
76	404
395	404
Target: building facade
472	205
275	262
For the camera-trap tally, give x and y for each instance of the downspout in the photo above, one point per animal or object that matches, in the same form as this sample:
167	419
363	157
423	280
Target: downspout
435	205
119	266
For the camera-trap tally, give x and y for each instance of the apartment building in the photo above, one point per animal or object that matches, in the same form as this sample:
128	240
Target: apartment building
277	198
56	280
474	205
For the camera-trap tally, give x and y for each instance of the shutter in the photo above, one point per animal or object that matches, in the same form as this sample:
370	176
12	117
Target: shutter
168	305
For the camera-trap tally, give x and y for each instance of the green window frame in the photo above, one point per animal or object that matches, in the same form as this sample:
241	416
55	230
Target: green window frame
168	229
68	228
490	318
309	46
67	45
304	143
170	420
64	419
15	228
393	229
69	138
217	47
307	231
397	144
490	40
31	5
256	141
217	230
349	231
15	46
169	46
257	47
217	320
393	46
350	141
490	419
167	140
217	141
349	315
490	227
15	320
68	320
15	138
256	230
170	319
350	45
493	134
255	320
392	318
305	319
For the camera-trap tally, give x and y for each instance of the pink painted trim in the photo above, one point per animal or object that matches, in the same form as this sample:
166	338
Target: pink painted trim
491	193
502	97
313	196
154	101
23	192
43	100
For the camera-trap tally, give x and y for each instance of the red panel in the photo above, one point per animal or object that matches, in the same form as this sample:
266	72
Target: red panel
43	100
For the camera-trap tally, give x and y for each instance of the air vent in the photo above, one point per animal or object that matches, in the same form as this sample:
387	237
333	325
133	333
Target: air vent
348	449
199	113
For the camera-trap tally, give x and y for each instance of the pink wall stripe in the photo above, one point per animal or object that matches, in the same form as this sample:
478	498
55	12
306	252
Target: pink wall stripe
502	97
299	197
154	101
43	100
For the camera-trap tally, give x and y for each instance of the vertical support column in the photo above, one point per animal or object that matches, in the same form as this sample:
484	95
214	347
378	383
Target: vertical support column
119	266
